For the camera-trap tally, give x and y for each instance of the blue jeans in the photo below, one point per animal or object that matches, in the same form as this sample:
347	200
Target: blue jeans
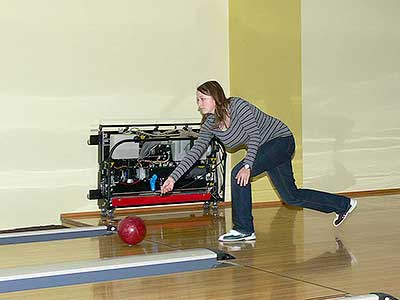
275	158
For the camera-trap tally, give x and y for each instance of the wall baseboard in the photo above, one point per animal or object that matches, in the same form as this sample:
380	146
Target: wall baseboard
371	193
177	208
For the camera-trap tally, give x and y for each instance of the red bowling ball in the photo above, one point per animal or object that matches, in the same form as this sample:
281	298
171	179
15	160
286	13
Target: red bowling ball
131	230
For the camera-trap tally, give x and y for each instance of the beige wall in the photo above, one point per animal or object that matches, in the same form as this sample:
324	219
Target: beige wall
68	65
265	68
351	91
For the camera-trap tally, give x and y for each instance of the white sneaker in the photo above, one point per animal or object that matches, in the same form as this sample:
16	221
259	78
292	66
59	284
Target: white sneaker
340	218
235	236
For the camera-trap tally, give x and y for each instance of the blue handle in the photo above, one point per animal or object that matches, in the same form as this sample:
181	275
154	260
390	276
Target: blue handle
153	181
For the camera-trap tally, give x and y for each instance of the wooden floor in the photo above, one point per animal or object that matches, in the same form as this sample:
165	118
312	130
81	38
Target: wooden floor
298	255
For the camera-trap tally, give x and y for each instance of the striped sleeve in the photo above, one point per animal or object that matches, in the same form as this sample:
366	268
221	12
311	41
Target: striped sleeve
199	147
248	121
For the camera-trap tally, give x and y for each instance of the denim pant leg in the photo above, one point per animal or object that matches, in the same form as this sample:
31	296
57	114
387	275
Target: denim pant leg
269	155
275	158
283	180
242	217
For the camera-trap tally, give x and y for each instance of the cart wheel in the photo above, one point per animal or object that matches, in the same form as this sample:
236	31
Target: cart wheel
107	213
215	205
110	213
103	212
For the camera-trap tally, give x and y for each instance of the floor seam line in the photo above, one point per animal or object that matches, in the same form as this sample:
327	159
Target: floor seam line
296	279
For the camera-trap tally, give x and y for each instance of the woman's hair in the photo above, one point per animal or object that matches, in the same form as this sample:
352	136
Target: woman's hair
214	89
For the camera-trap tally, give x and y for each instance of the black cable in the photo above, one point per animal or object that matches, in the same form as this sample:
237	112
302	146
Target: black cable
215	167
201	177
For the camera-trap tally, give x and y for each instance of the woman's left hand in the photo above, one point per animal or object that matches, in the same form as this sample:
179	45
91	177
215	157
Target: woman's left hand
243	176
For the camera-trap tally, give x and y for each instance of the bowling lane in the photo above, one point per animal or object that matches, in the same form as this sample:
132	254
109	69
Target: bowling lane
159	218
158	239
221	283
30	254
179	230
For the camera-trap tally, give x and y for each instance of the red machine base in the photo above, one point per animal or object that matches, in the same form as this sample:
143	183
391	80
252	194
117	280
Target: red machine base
157	199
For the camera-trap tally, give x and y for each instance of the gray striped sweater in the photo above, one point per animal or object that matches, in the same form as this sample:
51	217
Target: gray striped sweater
249	126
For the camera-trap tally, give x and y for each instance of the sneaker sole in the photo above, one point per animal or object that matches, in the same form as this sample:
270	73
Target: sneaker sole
247	238
352	207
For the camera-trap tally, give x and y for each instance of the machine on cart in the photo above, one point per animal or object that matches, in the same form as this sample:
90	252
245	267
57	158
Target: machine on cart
135	160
